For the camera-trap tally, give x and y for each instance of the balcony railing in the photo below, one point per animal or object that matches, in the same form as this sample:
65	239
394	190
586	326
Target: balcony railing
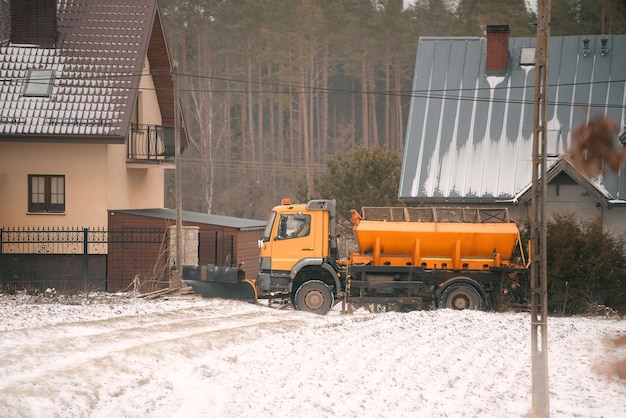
151	143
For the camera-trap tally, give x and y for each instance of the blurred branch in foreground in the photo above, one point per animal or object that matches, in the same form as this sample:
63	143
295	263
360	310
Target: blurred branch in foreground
593	150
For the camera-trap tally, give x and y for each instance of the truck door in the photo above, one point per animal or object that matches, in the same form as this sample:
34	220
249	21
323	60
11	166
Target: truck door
296	238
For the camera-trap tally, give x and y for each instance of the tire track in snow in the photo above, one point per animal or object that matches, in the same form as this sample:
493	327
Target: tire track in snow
430	343
476	365
220	360
118	346
307	375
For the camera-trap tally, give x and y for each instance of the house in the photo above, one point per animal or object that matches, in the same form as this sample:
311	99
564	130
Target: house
87	122
86	111
470	128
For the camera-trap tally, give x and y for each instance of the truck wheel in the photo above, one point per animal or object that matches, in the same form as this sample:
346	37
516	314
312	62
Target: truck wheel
314	296
459	297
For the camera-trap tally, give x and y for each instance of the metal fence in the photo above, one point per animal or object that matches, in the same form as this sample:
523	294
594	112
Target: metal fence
88	259
51	258
70	259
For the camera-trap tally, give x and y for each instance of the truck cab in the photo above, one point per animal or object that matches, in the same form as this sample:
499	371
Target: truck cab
298	255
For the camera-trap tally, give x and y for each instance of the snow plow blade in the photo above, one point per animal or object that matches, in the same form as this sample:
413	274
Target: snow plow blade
211	281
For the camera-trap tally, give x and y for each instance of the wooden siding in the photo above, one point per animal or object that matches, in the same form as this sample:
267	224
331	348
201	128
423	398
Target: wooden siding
129	256
248	252
158	56
213	240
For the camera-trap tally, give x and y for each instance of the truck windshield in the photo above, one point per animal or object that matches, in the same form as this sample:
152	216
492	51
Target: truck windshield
268	227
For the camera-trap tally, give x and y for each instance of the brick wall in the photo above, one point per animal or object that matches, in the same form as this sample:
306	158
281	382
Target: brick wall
5	21
497	48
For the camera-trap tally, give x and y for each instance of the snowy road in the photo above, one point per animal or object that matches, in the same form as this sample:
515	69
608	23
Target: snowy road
128	357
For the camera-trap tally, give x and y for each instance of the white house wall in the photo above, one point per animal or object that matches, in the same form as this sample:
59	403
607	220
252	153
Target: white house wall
96	179
137	186
132	187
572	199
84	168
150	113
614	220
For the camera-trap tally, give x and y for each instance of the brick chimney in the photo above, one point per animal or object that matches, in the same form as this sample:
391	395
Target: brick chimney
497	48
34	22
5	22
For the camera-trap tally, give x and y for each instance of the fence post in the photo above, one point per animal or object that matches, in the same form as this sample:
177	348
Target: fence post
232	251
85	257
217	243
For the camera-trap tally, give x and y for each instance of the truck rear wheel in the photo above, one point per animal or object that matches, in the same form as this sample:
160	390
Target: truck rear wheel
459	297
314	296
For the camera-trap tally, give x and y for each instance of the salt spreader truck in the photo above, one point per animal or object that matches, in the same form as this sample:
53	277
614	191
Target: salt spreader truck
424	257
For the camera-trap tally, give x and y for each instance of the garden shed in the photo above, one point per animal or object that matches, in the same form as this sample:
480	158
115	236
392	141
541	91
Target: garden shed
139	244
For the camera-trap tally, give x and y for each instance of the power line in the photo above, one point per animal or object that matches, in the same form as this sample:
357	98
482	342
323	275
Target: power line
254	165
433	94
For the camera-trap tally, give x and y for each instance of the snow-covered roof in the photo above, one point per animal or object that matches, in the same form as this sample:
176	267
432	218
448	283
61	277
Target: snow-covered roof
96	62
469	135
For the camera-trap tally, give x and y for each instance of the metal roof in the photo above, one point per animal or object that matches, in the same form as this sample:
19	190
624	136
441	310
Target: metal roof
97	59
469	136
197	217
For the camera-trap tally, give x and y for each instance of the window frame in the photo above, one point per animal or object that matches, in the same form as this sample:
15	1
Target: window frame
47	205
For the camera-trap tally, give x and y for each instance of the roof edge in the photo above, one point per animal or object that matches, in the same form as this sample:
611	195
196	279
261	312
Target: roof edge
64	139
564	165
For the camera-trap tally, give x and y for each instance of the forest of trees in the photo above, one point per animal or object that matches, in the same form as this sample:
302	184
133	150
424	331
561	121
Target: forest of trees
271	89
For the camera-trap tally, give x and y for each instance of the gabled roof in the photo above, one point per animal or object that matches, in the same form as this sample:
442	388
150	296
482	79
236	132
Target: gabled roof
97	60
564	165
469	135
200	218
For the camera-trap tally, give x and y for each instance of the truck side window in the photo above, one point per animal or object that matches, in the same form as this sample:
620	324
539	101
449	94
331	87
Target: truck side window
294	226
282	227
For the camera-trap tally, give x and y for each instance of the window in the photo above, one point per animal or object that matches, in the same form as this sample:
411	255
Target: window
294	226
527	56
46	194
38	83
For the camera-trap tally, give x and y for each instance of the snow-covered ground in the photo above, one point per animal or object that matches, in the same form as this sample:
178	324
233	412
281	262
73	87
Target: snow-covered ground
122	356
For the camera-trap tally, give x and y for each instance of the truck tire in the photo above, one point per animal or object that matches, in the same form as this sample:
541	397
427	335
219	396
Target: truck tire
314	296
460	296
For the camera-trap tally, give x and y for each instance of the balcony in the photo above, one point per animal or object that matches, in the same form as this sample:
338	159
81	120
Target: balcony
151	144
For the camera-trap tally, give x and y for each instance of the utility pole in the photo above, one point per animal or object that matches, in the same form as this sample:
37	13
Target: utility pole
176	276
538	269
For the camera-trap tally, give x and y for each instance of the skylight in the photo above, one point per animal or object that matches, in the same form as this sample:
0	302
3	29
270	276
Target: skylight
38	83
527	56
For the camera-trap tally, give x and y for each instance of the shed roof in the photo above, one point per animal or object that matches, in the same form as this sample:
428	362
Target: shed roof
197	217
469	136
97	60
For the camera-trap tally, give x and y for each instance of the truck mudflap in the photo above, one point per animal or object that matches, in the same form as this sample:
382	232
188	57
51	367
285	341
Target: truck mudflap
211	281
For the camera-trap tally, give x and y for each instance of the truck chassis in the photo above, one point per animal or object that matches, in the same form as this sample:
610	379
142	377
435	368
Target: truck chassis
436	288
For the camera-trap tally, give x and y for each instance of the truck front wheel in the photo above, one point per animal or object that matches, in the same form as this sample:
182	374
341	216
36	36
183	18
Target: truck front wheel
314	296
459	297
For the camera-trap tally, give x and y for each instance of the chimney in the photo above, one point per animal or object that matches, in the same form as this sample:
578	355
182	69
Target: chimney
34	22
5	22
497	48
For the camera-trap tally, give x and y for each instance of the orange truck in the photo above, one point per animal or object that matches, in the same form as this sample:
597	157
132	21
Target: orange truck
422	257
